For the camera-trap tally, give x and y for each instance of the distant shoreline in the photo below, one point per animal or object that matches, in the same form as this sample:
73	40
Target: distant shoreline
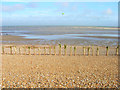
73	35
56	26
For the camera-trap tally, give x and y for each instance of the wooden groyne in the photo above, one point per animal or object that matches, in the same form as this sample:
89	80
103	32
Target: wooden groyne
60	50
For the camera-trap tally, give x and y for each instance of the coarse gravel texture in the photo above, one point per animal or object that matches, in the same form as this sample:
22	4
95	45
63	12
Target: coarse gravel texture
36	71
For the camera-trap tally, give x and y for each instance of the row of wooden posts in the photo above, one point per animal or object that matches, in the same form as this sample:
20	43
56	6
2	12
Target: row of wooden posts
54	48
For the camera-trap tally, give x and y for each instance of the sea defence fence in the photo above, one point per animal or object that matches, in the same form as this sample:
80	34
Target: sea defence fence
60	50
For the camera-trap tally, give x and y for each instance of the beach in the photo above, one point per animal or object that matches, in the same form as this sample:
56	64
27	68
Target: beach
59	45
52	35
42	69
36	71
36	62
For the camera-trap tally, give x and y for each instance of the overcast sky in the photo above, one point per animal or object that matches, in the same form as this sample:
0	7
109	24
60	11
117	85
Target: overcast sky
50	13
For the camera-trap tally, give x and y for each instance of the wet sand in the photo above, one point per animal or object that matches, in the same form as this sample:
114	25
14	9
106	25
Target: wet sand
71	35
103	37
59	71
9	39
13	38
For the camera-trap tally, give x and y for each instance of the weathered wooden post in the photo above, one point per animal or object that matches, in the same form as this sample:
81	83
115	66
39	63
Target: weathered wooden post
11	50
19	51
74	51
70	50
84	50
24	50
44	51
29	50
3	50
117	50
107	50
97	51
54	50
65	49
88	50
39	50
15	49
93	50
50	50
34	52
59	49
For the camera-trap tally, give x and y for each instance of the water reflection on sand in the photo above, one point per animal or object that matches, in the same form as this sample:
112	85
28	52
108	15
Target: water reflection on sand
88	34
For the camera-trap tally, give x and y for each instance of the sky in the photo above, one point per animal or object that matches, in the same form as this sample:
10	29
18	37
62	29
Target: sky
50	13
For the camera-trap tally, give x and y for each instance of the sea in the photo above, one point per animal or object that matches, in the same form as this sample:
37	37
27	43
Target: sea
76	35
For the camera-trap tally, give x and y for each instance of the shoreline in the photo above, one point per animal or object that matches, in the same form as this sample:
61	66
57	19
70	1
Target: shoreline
20	40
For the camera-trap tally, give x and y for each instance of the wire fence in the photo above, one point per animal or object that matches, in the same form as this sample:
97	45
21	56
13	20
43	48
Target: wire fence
61	50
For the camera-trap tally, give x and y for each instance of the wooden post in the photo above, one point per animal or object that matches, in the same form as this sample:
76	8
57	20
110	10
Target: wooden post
117	50
70	50
11	50
50	50
107	50
29	50
54	50
3	51
59	49
74	51
24	50
93	50
88	50
38	50
44	51
84	50
15	49
65	49
19	51
34	53
97	51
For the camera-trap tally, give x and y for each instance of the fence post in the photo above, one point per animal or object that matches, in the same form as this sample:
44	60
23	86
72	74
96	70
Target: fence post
19	50
3	51
97	51
54	50
50	50
117	50
88	50
65	48
70	50
29	50
39	50
34	50
59	49
74	51
107	50
11	50
15	49
24	50
83	50
93	50
44	51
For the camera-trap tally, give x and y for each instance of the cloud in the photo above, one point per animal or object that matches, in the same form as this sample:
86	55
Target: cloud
17	0
62	4
7	8
32	5
65	4
16	7
74	8
60	0
109	11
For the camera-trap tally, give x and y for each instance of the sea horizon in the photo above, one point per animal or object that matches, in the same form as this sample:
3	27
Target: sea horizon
56	26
